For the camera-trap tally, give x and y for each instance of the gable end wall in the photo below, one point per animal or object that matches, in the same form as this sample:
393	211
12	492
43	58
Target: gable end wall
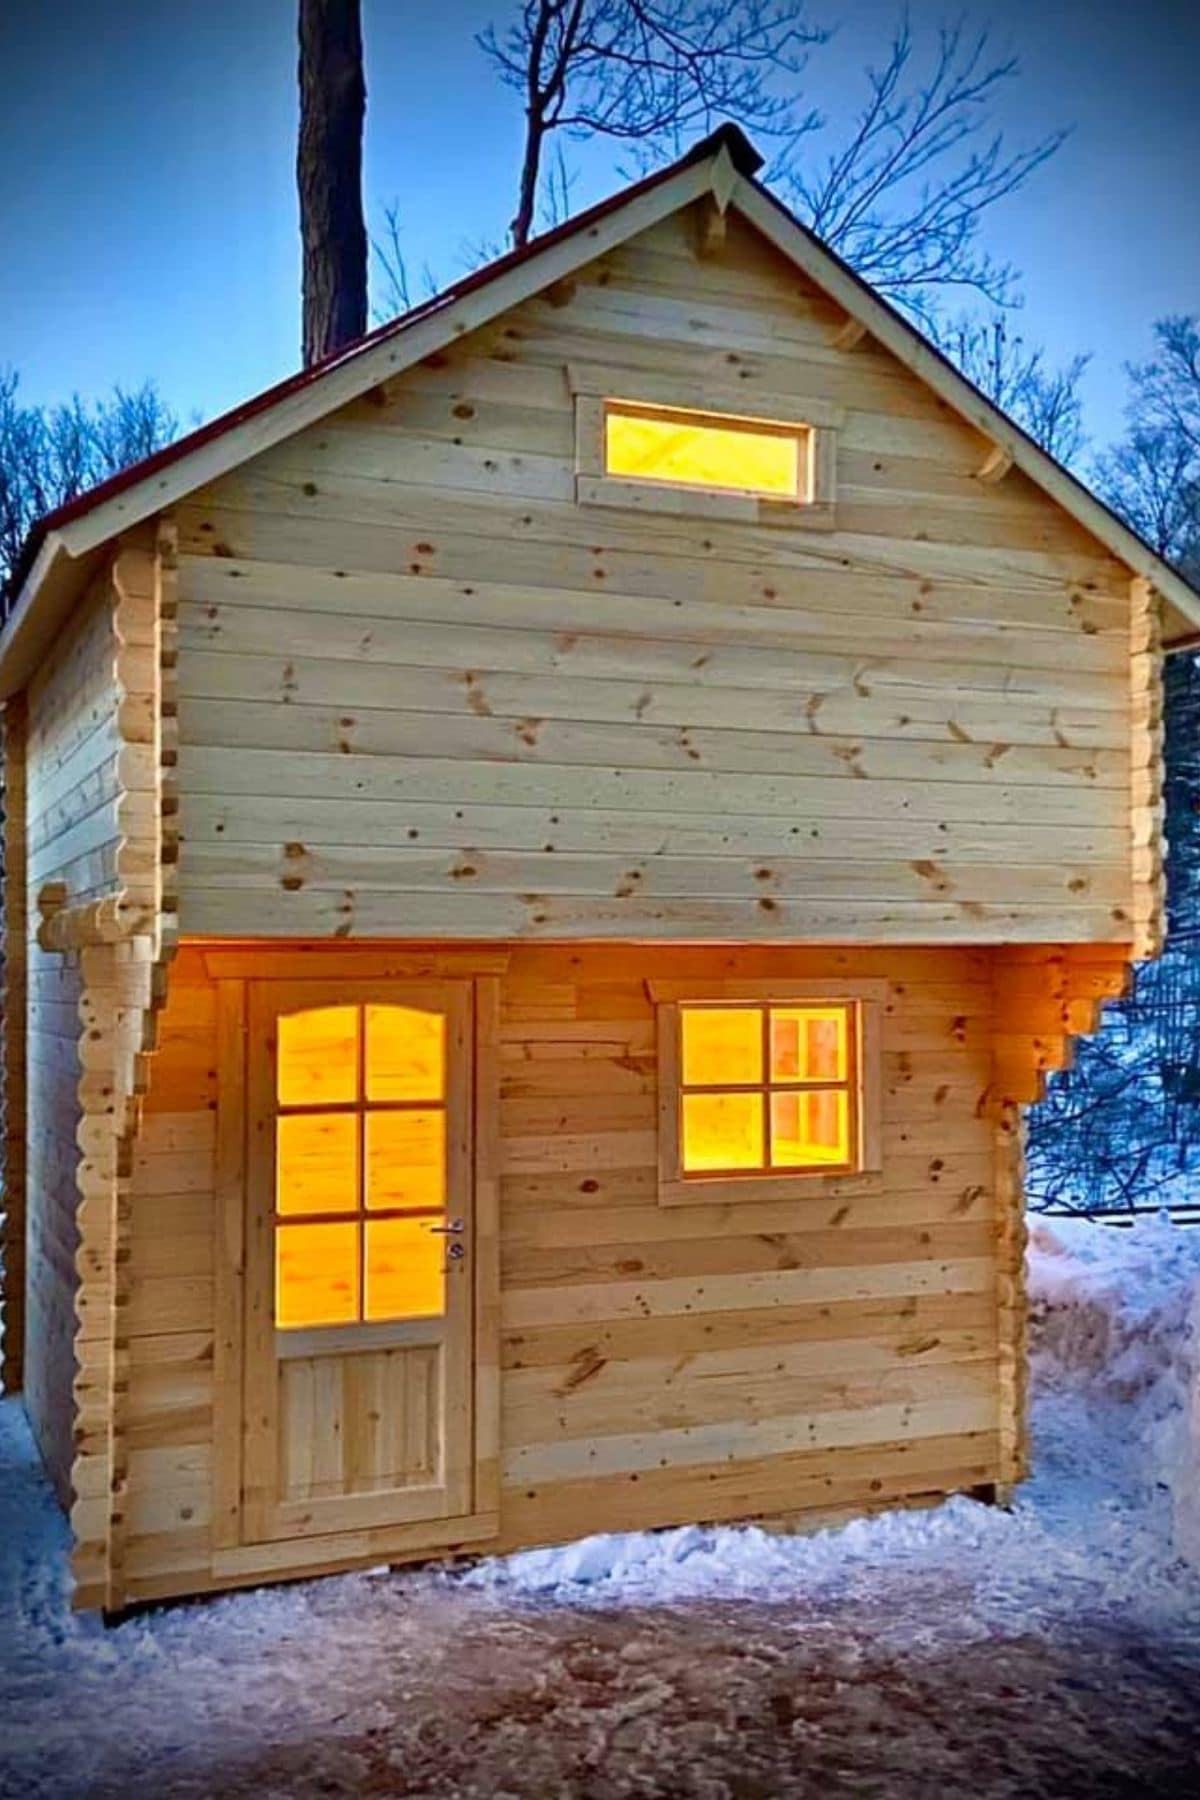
423	691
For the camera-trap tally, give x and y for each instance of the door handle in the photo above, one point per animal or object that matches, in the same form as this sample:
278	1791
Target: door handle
455	1228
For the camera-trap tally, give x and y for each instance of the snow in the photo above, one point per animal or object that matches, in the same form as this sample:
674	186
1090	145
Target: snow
1116	1316
965	1650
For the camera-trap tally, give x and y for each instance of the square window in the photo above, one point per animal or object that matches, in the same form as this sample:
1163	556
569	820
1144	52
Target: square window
759	1091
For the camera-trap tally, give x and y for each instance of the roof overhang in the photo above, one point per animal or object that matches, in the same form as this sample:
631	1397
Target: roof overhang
63	549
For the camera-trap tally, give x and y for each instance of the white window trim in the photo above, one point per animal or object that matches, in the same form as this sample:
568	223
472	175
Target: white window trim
677	1189
593	384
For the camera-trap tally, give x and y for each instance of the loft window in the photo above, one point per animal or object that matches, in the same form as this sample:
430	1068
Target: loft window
767	1088
653	443
713	451
360	1165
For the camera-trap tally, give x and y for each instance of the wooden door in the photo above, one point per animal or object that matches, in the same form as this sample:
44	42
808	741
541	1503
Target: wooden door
358	1365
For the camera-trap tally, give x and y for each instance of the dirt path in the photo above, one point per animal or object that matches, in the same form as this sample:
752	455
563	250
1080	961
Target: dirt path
1054	1652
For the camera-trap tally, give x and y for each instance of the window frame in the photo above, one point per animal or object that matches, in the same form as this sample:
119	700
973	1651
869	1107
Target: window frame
594	389
677	1188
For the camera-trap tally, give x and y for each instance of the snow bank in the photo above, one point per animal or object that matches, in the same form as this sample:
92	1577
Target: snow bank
1115	1312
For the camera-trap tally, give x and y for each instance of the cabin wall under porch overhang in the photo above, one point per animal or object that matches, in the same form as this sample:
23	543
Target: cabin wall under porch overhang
657	1364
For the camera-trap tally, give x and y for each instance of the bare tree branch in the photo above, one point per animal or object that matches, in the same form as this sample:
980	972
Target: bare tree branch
1152	477
1043	400
397	293
646	71
903	198
49	455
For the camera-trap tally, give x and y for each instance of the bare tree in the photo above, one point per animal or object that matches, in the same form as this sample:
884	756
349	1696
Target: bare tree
1043	400
903	197
333	100
49	455
644	71
1152	477
397	290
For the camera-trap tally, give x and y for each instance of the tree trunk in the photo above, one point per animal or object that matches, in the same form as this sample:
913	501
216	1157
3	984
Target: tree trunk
522	224
333	101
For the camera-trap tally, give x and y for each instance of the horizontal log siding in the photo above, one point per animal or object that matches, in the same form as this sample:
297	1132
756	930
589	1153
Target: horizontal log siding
660	1364
72	836
422	691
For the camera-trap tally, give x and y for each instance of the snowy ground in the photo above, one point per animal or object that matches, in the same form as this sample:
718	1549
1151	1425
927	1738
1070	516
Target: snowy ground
966	1651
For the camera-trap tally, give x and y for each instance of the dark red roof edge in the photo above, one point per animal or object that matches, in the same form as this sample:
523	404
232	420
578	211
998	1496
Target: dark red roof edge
732	138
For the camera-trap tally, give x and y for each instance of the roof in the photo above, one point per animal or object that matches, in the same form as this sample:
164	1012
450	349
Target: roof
60	549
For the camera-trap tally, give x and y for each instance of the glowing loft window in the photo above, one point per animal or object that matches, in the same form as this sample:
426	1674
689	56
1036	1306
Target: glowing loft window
768	1089
706	450
360	1165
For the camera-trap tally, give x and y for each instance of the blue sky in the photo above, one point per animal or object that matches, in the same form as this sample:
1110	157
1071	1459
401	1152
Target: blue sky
148	209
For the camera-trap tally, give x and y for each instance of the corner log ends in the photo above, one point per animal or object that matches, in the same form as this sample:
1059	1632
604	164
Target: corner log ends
116	937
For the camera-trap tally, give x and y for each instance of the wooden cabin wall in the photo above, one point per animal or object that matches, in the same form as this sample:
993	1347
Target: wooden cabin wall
423	691
668	1363
72	838
662	1364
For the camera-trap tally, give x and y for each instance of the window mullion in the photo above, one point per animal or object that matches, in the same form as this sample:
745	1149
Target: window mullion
768	1109
361	1095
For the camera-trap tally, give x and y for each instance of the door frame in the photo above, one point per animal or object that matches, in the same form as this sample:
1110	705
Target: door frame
232	968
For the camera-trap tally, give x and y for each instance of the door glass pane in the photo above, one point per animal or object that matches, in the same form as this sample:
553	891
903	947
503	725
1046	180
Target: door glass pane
406	1054
721	1043
406	1159
318	1056
316	1275
316	1162
405	1264
808	1043
810	1129
722	1131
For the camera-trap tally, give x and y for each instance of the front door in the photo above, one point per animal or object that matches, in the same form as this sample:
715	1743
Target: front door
359	1182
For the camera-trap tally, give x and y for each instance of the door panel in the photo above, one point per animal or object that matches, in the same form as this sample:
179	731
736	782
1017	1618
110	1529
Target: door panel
358	1367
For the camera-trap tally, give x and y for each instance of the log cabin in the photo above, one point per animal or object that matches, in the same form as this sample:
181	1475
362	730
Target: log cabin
543	858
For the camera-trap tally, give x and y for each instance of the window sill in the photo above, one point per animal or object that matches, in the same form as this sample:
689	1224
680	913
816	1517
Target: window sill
734	1190
701	503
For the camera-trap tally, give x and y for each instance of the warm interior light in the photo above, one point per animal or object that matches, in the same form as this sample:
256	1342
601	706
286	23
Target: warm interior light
405	1269
317	1061
316	1163
808	1043
721	1044
722	1131
810	1129
707	450
406	1054
316	1275
406	1159
360	1131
